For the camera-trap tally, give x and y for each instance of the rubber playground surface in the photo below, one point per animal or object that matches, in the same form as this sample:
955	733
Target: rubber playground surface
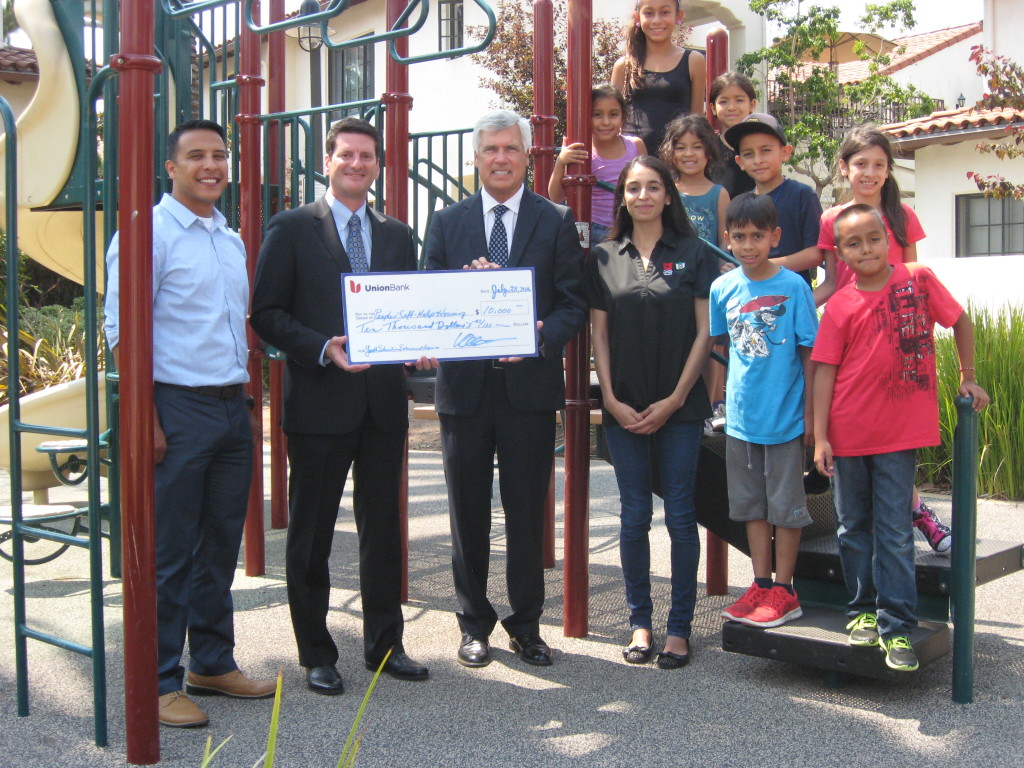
588	709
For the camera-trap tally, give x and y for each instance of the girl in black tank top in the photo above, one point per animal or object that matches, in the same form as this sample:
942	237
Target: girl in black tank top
659	79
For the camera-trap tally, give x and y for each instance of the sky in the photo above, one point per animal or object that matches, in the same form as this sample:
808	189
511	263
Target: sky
930	15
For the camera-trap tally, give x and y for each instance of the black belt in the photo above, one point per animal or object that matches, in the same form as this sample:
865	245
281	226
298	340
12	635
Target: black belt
226	392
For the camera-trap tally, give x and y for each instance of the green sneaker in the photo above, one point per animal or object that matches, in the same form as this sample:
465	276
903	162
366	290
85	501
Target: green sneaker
864	630
899	653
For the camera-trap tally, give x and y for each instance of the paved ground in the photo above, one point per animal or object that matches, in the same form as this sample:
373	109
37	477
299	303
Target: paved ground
588	709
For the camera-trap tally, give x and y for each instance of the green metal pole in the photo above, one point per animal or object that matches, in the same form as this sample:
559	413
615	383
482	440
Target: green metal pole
965	528
92	373
14	406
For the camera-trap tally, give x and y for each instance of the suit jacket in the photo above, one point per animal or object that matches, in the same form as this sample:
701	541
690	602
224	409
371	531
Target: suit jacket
545	238
296	307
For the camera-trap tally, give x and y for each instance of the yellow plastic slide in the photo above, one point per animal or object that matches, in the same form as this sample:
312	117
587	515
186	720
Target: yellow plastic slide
47	141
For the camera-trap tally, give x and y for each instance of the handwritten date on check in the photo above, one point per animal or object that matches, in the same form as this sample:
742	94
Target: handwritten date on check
398	317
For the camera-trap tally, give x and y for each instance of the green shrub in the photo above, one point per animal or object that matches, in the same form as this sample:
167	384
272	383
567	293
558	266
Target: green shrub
51	347
999	359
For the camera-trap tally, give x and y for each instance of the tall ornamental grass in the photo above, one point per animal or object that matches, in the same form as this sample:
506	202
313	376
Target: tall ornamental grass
999	359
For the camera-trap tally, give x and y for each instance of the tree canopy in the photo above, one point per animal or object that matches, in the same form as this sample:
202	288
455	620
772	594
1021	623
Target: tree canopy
813	106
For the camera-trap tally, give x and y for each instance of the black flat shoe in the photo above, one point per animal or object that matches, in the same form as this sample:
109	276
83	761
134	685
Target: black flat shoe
401	667
531	649
637	654
324	679
474	651
669	660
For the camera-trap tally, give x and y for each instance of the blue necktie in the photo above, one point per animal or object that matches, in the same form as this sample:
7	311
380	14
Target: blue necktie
497	249
354	246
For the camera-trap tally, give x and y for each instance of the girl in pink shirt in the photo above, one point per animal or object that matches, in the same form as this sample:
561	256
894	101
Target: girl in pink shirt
865	161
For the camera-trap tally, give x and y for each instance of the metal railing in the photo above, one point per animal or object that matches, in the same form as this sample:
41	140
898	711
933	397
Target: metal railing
91	435
843	114
441	172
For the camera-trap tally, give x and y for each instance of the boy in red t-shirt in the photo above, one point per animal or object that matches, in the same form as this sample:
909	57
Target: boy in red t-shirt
876	356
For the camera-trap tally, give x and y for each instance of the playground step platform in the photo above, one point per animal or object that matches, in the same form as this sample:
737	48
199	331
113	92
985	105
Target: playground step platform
819	639
819	561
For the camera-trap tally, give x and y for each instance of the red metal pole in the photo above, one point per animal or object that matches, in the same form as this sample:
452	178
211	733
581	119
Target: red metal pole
543	152
278	443
135	225
577	374
398	103
250	205
543	119
716	560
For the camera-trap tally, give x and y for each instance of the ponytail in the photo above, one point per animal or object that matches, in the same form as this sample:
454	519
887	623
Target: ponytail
635	55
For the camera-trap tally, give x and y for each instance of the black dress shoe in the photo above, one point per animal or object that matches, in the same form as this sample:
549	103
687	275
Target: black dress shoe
324	679
531	649
475	651
401	667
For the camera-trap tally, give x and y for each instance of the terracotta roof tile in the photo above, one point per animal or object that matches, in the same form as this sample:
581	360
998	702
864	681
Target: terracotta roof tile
18	60
916	47
955	120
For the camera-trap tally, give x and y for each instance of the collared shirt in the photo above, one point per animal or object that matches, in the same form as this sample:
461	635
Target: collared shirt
652	320
342	214
200	299
509	219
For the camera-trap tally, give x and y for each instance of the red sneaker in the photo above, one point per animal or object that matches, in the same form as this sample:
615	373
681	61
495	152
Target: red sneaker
745	606
777	607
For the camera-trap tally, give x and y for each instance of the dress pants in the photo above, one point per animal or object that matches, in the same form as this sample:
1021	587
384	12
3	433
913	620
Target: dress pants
319	466
525	444
201	492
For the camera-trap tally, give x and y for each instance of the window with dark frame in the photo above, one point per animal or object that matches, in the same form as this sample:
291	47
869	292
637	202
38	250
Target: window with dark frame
350	78
449	24
987	226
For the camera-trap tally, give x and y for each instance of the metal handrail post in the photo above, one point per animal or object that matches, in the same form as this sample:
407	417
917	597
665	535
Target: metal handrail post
251	226
543	151
14	406
138	65
965	529
716	559
577	368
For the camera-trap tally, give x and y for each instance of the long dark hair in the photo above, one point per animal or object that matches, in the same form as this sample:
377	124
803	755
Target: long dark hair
864	137
699	126
635	55
673	215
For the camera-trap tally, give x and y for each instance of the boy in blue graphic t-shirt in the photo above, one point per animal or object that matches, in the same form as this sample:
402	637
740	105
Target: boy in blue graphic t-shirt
767	311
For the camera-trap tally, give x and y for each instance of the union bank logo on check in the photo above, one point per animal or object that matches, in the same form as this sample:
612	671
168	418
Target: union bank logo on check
355	286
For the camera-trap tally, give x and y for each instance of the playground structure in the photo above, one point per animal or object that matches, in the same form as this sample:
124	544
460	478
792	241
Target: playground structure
168	66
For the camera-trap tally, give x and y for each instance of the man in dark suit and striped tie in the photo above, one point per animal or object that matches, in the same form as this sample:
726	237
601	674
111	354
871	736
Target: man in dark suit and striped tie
338	415
506	406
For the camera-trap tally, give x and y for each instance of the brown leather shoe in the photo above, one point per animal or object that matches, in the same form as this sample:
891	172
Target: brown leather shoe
179	711
232	683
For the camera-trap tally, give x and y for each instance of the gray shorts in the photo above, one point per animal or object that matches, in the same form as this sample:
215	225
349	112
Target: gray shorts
766	482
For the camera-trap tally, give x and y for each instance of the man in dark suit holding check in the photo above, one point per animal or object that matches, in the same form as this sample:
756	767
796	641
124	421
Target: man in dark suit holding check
505	404
337	415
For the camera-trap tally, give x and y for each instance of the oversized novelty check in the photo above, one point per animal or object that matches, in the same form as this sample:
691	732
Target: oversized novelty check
397	317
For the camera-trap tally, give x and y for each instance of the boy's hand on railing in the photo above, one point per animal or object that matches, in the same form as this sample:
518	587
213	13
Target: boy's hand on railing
971	389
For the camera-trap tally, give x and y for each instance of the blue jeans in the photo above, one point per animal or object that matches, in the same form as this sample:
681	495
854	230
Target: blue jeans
676	446
598	233
876	536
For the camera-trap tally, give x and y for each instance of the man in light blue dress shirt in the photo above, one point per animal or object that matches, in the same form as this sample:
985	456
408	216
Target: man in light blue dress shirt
202	432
